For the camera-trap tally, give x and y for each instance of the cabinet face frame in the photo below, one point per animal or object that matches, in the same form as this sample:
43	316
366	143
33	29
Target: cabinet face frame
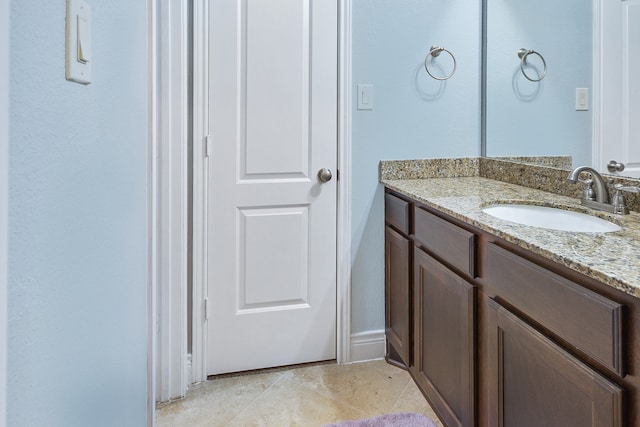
607	398
431	277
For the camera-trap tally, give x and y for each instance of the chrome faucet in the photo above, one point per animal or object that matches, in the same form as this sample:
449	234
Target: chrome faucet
601	196
602	192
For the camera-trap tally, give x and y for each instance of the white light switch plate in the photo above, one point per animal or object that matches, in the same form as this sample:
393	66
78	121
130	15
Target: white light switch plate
78	45
365	97
582	99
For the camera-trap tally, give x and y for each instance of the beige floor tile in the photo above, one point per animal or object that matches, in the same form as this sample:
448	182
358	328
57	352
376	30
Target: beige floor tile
288	403
215	402
382	365
372	386
412	400
307	396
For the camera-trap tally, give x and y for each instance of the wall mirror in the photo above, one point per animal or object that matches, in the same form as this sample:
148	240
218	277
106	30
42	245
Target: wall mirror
538	78
559	80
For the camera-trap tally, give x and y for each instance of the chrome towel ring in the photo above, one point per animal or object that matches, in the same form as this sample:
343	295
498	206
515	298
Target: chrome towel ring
434	52
523	54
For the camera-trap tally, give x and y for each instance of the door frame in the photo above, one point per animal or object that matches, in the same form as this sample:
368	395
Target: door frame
168	118
200	175
344	262
598	121
200	189
607	91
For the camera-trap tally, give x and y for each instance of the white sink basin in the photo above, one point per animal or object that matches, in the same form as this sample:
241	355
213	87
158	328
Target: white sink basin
551	218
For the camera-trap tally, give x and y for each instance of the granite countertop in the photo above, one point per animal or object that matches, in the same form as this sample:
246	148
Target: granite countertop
612	258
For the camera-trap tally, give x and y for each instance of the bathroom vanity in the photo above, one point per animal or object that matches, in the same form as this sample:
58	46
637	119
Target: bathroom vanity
501	324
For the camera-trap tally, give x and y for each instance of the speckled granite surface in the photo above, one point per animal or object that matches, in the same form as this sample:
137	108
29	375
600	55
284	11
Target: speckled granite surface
429	168
551	179
612	258
553	161
546	178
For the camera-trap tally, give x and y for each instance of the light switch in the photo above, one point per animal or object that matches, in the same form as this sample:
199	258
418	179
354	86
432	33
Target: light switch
582	99
84	41
365	97
78	52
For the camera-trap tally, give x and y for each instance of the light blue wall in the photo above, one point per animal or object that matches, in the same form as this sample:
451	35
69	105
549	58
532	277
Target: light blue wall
414	116
77	221
525	118
4	190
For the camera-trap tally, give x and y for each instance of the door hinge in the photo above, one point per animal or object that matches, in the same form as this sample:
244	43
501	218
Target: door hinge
206	309
208	146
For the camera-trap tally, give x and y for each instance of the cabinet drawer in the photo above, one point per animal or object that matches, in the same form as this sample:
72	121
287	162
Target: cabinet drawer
453	244
582	318
396	213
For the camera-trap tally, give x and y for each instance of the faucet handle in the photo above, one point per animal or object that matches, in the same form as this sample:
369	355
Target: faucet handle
619	202
630	189
588	193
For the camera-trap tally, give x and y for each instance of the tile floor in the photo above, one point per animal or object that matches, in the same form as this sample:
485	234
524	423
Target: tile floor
303	396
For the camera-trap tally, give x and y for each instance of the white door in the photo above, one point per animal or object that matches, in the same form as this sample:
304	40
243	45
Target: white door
272	221
620	82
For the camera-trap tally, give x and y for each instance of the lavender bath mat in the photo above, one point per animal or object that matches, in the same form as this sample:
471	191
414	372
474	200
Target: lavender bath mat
404	419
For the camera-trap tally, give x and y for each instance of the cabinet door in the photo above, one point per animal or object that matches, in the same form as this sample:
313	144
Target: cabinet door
397	297
444	340
537	383
590	323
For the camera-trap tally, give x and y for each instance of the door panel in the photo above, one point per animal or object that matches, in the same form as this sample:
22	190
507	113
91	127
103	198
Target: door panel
272	223
619	67
631	87
276	88
285	269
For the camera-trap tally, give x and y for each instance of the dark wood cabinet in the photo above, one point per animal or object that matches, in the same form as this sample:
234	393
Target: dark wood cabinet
537	383
397	297
495	335
430	306
537	380
450	243
444	340
589	323
397	281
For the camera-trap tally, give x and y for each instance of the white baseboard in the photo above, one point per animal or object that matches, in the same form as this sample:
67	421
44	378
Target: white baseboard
367	345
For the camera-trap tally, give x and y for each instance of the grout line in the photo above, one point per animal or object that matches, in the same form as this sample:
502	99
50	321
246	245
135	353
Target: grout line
256	398
327	395
406	386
